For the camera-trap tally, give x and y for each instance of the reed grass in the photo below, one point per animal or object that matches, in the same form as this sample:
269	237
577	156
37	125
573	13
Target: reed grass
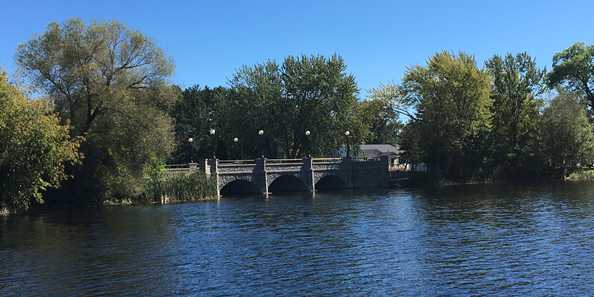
160	186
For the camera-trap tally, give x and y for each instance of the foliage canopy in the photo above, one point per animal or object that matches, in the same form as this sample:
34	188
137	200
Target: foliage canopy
109	84
34	149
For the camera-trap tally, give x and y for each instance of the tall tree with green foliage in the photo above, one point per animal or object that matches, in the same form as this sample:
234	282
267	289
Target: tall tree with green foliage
109	84
197	112
307	93
567	135
380	114
255	102
517	83
452	103
402	105
324	96
573	68
381	121
34	149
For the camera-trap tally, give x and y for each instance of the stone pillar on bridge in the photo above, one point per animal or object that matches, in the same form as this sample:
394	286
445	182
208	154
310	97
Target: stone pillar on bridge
261	176
385	170
204	167
193	166
308	174
212	170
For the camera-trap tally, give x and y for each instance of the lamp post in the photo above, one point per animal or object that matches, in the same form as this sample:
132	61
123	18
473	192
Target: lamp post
212	133
190	142
308	149
236	142
347	133
261	134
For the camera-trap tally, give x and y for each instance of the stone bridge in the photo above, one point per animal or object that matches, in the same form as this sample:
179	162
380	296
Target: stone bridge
286	175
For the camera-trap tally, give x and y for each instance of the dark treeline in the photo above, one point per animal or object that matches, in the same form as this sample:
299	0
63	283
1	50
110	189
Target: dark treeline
109	115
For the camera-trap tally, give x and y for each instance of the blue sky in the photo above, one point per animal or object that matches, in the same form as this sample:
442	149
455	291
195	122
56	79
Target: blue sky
209	40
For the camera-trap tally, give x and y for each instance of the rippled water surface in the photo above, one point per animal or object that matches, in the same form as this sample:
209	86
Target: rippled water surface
520	241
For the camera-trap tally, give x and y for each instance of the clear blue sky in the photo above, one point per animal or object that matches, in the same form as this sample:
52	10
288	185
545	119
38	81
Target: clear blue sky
209	40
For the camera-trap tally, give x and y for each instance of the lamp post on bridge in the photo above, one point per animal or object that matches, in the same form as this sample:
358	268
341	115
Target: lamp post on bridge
237	143
190	142
212	133
261	141
347	133
308	142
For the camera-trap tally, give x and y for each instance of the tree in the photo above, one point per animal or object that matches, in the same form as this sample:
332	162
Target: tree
324	97
396	97
196	112
517	82
573	68
255	103
109	84
410	144
567	135
307	93
124	141
34	149
380	113
451	97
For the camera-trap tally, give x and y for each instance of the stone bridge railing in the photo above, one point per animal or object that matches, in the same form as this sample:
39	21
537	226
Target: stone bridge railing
263	172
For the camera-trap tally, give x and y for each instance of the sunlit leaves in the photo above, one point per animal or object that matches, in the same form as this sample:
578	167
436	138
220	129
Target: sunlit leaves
452	112
517	83
34	149
573	68
109	84
567	135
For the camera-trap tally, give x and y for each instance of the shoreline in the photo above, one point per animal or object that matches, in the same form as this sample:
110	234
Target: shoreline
412	184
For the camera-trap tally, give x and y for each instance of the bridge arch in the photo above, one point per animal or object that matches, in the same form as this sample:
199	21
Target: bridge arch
239	187
287	183
330	182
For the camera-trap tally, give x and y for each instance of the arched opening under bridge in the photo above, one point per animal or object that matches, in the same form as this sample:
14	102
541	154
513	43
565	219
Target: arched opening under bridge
287	184
239	188
330	183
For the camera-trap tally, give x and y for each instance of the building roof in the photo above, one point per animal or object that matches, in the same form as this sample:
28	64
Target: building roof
383	149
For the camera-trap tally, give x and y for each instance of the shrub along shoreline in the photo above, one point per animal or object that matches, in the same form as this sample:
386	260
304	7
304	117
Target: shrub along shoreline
161	186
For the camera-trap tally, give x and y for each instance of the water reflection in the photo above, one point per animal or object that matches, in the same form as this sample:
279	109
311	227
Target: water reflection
472	240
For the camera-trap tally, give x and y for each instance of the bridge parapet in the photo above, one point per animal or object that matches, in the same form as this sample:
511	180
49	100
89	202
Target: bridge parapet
236	166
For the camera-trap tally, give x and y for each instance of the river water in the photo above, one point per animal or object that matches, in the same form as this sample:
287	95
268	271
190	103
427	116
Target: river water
470	240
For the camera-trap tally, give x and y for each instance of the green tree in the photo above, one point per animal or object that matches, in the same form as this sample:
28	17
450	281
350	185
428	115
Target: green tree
324	97
573	68
452	103
307	93
410	144
517	82
255	103
380	114
125	141
197	111
34	149
401	102
109	84
567	135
